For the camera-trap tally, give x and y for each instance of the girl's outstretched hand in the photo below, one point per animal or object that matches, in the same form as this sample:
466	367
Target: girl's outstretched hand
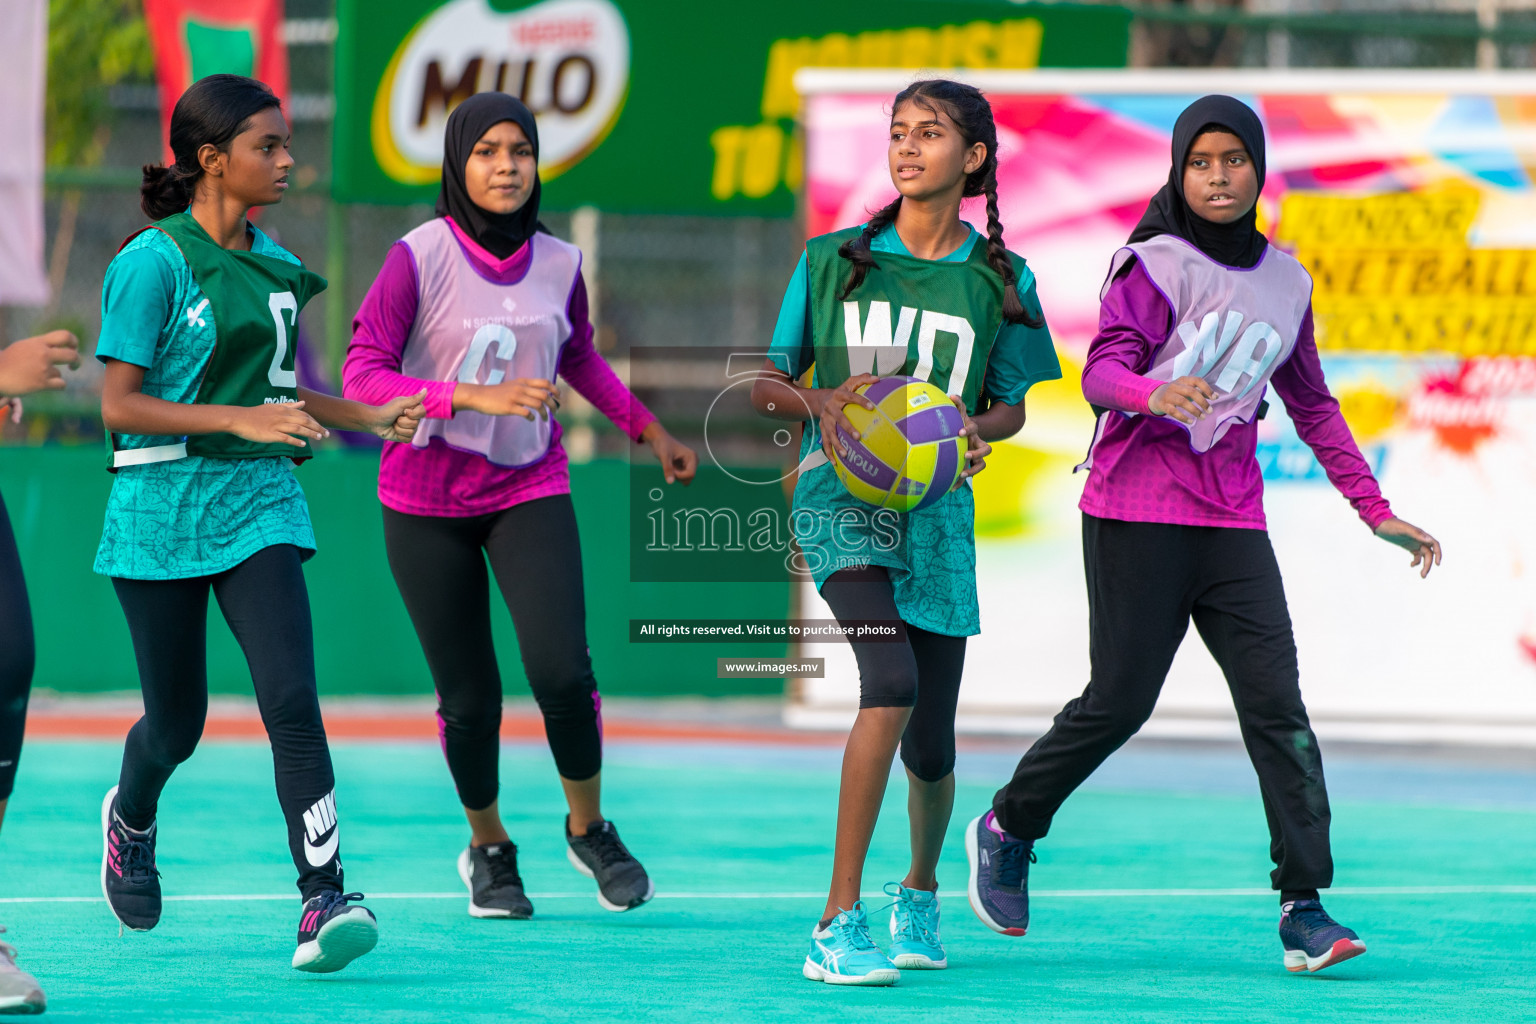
977	451
32	364
278	423
832	415
1187	399
678	462
1426	550
398	420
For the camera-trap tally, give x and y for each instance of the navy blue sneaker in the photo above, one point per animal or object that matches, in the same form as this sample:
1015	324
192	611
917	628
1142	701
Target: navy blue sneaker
333	933
1313	940
999	875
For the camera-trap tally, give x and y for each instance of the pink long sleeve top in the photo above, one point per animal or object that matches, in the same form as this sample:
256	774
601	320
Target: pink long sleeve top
439	480
1143	469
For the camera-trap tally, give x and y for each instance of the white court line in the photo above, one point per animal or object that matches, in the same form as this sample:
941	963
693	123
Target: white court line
1382	890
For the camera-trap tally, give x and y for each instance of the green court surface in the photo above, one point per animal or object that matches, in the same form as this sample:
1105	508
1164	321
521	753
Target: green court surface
1149	895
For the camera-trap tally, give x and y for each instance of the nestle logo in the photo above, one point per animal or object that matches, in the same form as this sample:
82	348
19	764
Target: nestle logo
567	31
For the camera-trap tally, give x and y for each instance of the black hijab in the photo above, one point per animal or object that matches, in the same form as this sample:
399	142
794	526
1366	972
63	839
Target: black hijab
500	234
1238	244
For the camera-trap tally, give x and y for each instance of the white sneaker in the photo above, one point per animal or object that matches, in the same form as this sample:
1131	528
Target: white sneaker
19	991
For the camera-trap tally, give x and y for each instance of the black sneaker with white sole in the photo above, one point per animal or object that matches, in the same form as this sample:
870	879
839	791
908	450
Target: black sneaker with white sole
622	883
495	887
129	879
332	934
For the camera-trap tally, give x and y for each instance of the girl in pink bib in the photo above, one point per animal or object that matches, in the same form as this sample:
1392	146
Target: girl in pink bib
481	308
1199	316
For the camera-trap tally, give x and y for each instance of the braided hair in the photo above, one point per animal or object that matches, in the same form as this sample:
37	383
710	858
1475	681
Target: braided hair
972	115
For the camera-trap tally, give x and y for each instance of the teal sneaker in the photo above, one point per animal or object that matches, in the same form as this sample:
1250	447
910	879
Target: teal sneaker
915	942
844	954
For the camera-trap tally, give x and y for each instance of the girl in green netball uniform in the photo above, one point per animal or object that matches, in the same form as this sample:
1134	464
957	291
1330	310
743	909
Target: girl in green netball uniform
959	311
206	422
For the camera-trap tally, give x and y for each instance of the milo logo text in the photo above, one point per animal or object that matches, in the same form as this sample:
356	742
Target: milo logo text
568	60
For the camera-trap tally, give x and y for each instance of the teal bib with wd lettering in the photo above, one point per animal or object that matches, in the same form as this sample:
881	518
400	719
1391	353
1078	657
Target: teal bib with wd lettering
945	316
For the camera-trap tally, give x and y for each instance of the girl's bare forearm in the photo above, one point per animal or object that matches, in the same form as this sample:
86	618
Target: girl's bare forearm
138	413
778	398
335	413
1000	421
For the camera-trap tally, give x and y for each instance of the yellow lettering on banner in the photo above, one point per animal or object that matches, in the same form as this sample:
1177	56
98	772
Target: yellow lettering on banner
1466	328
916	48
951	48
1021	43
728	145
876	49
745	157
1452	272
835	51
785	57
764	152
752	160
982	41
1430	219
978	44
1394	273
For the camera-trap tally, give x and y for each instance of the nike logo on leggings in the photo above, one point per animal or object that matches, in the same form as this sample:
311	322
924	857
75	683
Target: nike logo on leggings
318	820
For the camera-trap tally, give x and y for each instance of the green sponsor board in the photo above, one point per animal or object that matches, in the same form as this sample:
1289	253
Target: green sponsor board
664	106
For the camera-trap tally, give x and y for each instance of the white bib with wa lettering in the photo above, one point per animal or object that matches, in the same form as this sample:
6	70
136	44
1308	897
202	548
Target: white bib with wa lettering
1232	327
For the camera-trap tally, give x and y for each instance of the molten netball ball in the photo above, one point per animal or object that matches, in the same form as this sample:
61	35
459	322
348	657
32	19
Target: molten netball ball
909	452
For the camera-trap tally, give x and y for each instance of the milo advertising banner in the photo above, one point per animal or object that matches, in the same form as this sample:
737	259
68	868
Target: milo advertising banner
668	106
1410	199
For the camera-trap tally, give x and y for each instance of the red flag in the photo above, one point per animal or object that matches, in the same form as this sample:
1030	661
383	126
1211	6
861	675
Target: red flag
197	38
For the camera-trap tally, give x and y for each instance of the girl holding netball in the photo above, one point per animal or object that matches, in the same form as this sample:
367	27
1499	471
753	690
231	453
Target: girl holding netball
479	309
1200	315
205	424
972	326
26	365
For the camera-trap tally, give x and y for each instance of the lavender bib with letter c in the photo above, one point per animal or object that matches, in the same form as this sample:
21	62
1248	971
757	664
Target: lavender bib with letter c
476	331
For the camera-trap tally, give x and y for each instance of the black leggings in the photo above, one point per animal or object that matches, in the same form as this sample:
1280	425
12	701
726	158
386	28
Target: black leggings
922	674
17	655
534	550
1146	581
266	604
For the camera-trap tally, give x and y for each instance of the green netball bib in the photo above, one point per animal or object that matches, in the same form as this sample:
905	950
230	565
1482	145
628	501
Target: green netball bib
255	302
940	319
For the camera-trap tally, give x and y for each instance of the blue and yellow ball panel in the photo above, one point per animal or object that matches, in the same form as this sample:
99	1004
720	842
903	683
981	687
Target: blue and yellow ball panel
909	453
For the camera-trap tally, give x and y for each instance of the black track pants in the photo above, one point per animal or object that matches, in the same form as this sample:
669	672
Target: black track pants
439	564
17	655
266	604
1146	582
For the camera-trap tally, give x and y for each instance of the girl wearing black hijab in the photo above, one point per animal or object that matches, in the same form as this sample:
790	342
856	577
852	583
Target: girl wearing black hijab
481	308
1200	314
